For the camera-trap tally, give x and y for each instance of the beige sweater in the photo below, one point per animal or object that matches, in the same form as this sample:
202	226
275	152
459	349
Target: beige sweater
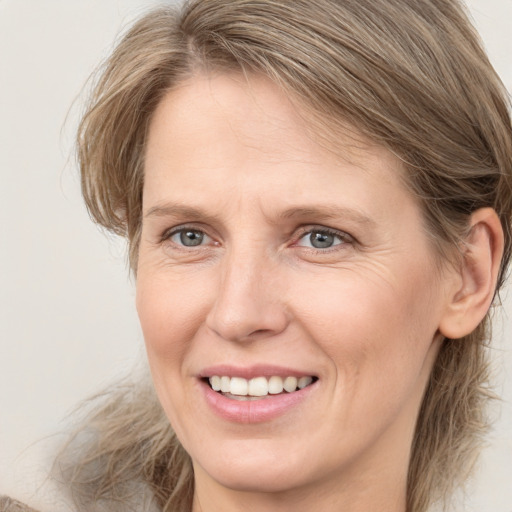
9	505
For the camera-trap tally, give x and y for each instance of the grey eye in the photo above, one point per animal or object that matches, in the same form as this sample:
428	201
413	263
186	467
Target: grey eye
318	239
189	237
321	240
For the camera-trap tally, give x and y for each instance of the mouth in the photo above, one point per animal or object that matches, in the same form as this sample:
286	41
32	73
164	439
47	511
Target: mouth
257	388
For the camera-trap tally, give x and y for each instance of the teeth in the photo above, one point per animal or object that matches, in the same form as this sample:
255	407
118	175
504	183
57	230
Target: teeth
290	384
304	381
215	382
238	386
275	385
225	384
259	386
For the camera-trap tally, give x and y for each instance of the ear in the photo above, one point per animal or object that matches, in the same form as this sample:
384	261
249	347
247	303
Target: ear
475	281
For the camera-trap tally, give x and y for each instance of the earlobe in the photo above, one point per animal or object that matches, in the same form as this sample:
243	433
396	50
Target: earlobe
473	292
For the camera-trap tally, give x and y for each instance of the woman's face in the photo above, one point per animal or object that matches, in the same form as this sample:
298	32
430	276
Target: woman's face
266	256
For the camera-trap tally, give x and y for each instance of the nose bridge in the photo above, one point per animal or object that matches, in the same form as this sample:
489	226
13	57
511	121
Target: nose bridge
248	303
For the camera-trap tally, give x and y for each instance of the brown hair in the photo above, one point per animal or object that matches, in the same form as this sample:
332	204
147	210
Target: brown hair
409	74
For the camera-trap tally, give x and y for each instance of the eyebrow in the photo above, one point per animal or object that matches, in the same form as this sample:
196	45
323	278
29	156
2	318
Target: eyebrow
178	210
320	212
327	212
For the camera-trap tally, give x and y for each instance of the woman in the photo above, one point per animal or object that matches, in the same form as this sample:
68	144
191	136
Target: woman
317	198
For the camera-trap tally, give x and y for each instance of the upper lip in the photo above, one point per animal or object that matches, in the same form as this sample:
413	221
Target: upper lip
250	372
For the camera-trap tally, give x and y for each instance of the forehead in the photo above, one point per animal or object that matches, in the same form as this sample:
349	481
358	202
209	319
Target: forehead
254	119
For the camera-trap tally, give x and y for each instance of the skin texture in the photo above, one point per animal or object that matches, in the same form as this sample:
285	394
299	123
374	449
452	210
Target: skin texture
231	158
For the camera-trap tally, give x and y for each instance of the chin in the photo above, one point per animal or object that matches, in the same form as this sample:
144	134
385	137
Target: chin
256	465
256	478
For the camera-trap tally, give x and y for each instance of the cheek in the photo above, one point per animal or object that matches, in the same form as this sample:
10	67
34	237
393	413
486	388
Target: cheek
170	312
376	334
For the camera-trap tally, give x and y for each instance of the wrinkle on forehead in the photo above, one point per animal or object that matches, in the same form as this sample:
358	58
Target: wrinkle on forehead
342	140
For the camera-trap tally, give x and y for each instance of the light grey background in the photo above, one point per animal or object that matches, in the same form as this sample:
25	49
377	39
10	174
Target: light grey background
67	320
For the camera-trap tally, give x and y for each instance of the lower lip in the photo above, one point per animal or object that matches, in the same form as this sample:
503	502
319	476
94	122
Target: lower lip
254	411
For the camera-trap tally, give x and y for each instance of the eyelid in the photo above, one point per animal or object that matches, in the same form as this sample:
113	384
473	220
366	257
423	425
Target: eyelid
168	233
343	242
302	231
305	230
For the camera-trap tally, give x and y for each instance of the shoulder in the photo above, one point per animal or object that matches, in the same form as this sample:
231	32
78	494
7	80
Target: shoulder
9	505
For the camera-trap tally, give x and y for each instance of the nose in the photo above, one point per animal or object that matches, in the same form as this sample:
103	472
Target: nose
249	301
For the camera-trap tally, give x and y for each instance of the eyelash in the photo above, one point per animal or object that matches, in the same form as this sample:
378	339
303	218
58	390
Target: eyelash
168	234
343	237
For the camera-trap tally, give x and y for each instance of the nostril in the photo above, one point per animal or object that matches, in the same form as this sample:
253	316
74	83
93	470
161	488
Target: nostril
260	333
241	332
